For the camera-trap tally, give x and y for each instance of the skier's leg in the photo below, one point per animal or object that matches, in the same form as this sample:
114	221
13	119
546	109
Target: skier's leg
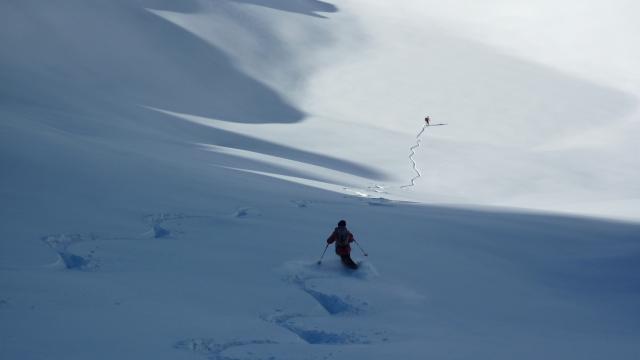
348	261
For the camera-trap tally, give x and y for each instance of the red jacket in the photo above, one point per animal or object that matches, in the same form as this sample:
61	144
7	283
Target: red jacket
341	250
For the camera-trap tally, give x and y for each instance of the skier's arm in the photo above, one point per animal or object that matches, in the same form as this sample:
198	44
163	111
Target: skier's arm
332	237
351	238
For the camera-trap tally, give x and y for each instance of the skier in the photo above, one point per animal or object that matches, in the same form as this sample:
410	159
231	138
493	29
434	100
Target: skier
427	120
343	237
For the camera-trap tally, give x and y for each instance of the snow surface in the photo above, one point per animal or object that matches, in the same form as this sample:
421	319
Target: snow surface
171	169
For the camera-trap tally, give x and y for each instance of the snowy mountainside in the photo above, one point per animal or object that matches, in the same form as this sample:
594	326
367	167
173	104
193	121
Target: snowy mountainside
171	171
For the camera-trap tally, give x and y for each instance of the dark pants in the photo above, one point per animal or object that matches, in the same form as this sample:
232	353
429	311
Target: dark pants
348	262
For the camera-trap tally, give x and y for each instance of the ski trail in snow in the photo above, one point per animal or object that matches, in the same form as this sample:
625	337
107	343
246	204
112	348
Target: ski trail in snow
413	162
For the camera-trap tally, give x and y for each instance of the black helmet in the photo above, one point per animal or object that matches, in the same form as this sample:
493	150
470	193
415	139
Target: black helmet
342	223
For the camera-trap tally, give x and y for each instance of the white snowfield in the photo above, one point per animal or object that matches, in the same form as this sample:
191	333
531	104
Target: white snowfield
171	170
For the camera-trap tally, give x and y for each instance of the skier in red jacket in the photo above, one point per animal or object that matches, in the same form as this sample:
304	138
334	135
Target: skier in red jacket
343	237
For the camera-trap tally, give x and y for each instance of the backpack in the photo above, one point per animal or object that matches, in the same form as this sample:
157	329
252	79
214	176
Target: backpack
342	236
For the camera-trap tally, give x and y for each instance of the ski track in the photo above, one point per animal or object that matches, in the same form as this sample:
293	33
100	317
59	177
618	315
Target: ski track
345	306
300	324
214	350
60	243
413	162
161	226
301	275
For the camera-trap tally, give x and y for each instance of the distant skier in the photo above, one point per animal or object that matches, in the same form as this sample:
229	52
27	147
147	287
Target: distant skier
427	120
343	237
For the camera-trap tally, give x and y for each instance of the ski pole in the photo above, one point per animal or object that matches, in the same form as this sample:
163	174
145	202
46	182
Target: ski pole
360	247
325	250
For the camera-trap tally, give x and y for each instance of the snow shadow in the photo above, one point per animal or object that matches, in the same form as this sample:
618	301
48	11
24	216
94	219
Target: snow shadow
98	65
305	7
195	133
183	6
606	275
118	54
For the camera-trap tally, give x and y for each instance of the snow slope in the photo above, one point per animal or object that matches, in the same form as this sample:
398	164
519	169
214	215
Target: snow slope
171	170
537	129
